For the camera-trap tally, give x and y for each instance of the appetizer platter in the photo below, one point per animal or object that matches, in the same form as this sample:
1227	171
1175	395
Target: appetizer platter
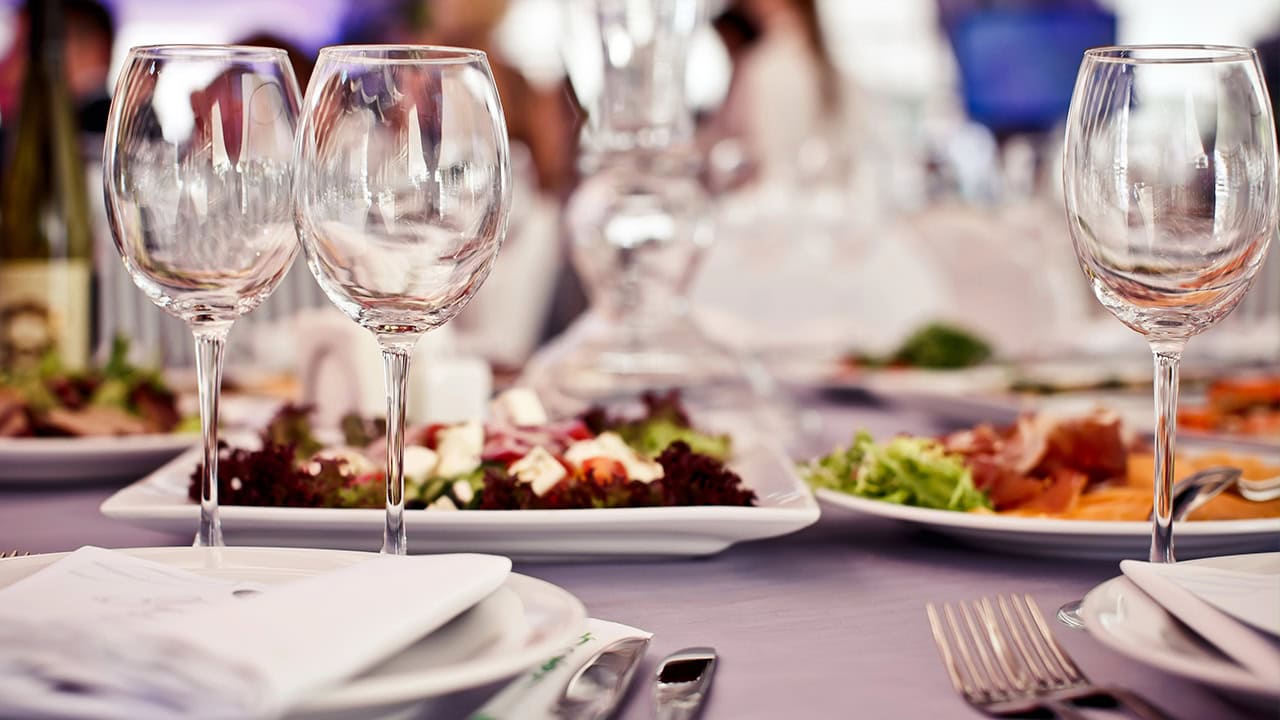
649	483
1055	485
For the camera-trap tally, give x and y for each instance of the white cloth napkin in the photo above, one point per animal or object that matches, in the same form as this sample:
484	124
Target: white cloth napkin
1209	601
101	634
534	695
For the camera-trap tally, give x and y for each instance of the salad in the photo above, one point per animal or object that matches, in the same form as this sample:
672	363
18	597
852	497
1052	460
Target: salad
517	460
115	399
1077	467
936	346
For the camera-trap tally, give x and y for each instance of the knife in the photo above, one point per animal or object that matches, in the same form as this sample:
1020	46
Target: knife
585	681
593	693
682	683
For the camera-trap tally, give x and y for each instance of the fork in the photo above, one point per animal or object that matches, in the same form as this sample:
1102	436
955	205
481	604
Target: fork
1025	668
1053	669
981	667
13	554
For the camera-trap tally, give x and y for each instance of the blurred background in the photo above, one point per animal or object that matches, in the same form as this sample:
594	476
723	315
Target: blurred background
875	166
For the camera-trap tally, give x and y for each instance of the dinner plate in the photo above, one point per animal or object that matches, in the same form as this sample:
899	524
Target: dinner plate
77	460
1089	539
67	460
784	504
521	624
1127	620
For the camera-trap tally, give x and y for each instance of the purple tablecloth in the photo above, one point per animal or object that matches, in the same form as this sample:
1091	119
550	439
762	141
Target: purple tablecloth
828	622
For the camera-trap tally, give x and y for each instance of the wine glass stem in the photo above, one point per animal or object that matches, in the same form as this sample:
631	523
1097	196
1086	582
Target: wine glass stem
1166	397
211	339
395	365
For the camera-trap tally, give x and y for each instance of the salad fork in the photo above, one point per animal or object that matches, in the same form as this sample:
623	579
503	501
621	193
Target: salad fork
13	554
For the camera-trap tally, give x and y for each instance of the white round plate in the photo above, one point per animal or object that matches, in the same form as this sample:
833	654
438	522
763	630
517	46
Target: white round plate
1091	539
521	624
1128	621
44	460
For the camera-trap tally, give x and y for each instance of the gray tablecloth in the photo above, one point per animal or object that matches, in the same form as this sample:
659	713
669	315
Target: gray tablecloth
826	623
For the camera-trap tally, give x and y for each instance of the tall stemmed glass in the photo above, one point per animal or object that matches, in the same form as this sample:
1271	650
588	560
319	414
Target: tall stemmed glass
1171	191
402	197
197	172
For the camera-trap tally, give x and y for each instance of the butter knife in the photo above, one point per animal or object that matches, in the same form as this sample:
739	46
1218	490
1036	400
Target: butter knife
682	683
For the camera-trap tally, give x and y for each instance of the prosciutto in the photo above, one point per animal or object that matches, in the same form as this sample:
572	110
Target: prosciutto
1042	463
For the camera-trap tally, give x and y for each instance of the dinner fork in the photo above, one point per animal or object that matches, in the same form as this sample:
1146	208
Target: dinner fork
1024	666
1053	669
13	554
982	668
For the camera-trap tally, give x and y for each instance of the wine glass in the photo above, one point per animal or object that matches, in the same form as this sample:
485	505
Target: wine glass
1171	190
197	173
402	197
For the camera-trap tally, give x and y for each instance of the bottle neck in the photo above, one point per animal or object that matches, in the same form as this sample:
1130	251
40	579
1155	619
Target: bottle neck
45	37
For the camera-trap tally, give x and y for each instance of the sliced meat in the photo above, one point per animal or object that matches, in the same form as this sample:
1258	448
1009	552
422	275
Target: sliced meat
91	421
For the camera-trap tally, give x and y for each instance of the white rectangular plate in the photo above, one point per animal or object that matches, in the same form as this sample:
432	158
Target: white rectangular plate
784	505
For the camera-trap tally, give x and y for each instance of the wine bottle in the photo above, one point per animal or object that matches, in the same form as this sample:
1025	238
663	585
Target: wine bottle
46	248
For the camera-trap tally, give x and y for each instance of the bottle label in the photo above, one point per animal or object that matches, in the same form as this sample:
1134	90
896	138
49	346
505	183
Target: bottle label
44	308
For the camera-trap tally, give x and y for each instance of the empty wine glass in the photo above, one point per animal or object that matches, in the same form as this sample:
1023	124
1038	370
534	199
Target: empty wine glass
1171	190
402	196
197	173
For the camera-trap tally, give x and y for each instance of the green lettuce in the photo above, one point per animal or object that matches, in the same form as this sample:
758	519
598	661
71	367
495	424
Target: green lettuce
905	470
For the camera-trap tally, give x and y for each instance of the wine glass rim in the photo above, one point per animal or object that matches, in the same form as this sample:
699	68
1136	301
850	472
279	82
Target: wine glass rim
212	51
1171	54
396	54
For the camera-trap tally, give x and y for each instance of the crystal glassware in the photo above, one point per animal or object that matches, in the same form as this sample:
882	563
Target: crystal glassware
197	173
1171	190
639	222
402	195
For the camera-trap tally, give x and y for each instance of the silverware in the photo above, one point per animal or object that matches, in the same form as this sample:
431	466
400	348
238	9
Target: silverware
682	683
1020	665
13	554
1199	488
594	691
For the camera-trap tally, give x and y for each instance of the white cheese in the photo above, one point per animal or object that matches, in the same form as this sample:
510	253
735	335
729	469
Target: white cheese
459	448
419	462
539	469
357	463
442	503
612	446
462	490
521	407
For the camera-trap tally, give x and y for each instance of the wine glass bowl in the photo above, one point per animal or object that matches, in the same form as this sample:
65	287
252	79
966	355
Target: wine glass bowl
1170	178
198	174
402	194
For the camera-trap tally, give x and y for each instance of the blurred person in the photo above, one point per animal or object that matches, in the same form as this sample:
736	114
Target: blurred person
303	62
90	41
780	60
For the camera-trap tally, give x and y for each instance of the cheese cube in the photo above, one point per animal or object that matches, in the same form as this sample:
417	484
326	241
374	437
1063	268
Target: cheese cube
419	462
521	407
442	503
459	448
611	445
357	462
462	490
539	469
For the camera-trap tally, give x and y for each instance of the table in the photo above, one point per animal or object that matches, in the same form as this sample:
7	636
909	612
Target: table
828	622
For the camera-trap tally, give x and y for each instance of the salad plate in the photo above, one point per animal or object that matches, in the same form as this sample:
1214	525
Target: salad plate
1057	537
784	504
521	624
1128	621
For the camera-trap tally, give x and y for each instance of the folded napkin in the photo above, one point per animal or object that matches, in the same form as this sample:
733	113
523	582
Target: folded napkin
1213	601
101	634
535	695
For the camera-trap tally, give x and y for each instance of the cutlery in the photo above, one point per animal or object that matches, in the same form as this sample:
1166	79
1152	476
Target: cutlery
1019	667
594	691
13	554
682	683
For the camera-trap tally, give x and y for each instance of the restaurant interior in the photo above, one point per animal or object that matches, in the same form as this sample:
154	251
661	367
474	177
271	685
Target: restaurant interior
524	359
